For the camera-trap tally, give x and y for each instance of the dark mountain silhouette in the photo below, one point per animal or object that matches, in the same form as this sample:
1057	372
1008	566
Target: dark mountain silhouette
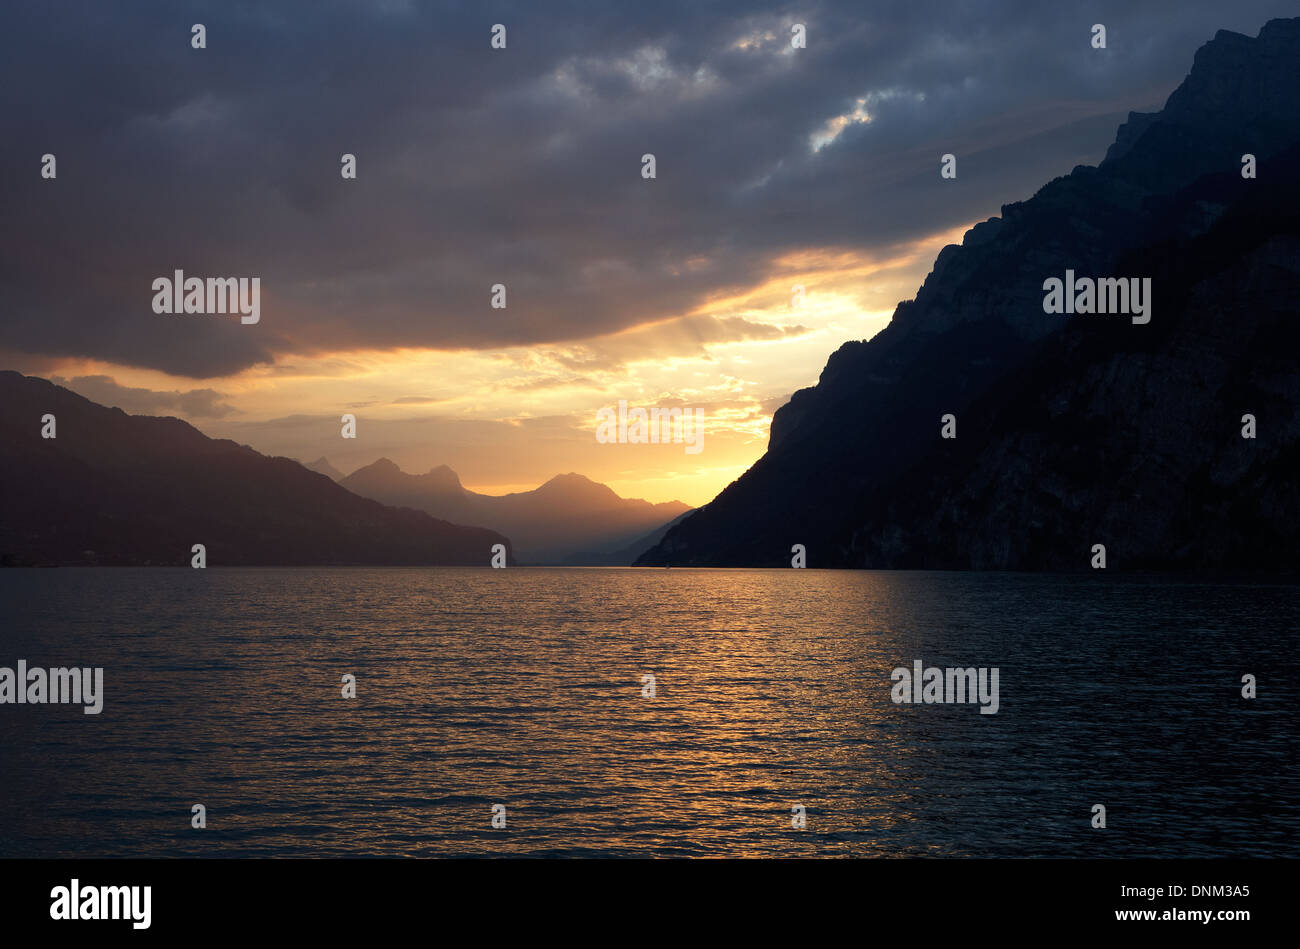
1071	430
322	466
568	520
113	488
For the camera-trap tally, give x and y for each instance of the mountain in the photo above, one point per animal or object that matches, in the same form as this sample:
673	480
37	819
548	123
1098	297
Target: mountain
112	488
322	466
568	520
628	554
1071	430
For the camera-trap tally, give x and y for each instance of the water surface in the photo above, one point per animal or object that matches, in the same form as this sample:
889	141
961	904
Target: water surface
523	687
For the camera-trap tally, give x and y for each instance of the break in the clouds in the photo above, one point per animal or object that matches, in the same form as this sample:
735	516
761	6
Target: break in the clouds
520	166
193	403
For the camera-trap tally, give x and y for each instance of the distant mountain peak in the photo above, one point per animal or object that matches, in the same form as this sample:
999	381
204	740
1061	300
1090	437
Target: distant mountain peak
576	487
322	466
383	475
442	478
571	478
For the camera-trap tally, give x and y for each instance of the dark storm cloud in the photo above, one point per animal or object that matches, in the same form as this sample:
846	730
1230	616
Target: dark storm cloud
519	166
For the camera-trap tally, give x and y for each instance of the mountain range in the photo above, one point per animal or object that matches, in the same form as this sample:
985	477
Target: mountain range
112	488
978	430
1071	431
568	520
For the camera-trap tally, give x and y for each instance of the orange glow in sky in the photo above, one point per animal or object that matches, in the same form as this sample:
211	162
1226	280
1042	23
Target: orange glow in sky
509	419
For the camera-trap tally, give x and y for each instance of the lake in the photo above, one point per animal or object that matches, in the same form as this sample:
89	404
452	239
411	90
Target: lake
524	687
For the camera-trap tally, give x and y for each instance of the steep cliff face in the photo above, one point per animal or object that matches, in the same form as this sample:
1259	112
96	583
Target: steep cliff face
1129	441
1071	430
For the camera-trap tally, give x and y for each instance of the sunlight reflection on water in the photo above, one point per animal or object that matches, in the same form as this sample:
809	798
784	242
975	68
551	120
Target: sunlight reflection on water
523	687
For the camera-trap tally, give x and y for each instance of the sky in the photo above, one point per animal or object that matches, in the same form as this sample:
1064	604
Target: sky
775	166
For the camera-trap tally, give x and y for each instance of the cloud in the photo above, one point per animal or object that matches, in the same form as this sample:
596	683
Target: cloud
416	400
520	166
195	403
